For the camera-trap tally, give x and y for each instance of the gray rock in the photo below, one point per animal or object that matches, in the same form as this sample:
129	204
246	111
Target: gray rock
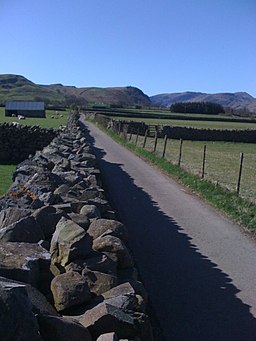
99	282
91	211
108	337
54	328
99	262
80	219
39	303
24	230
48	217
105	318
70	289
24	262
69	242
11	215
114	245
108	227
17	321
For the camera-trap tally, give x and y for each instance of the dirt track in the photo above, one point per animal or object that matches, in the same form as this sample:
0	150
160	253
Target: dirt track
198	268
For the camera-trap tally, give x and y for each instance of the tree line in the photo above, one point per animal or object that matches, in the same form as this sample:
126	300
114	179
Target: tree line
197	108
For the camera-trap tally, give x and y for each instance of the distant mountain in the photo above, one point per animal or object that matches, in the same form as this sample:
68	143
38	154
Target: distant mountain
15	87
236	101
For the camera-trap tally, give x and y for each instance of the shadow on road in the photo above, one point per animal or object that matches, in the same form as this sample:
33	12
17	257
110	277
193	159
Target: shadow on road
192	299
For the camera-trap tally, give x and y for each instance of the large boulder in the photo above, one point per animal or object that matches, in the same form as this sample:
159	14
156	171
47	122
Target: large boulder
98	262
99	282
70	289
24	230
23	262
91	211
107	227
54	328
38	301
114	245
11	215
105	318
48	217
17	321
69	242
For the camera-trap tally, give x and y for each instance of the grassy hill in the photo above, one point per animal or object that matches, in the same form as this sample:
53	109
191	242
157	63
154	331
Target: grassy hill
236	101
15	87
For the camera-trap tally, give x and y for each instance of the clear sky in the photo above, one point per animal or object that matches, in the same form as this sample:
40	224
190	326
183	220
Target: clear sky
160	46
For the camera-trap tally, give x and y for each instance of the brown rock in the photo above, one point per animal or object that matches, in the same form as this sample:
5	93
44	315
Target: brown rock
99	282
70	289
107	227
114	245
69	242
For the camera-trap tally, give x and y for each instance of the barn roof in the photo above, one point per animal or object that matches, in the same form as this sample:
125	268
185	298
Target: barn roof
24	105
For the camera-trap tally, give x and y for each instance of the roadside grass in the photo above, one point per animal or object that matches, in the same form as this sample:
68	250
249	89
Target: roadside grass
52	119
193	124
222	161
6	172
239	209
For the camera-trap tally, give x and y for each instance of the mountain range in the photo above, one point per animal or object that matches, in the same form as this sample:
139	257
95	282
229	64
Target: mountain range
16	87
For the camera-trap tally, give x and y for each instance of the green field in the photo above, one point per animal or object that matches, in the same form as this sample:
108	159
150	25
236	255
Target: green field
222	161
193	124
52	120
6	172
48	122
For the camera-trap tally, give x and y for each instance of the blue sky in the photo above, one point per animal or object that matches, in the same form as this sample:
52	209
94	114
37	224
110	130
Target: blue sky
159	46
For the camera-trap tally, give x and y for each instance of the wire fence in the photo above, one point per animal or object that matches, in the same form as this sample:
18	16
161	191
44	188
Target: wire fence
230	165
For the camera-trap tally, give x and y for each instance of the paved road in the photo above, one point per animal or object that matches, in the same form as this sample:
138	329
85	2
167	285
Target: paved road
198	268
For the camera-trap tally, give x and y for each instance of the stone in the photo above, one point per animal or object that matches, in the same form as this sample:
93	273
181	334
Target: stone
127	288
99	282
39	303
11	215
48	217
80	219
98	262
24	262
91	211
108	337
17	321
54	328
24	230
114	245
70	289
105	318
69	242
107	227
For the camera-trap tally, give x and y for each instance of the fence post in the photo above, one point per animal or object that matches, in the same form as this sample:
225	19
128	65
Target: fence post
204	157
136	141
131	129
180	153
165	143
155	142
145	138
240	173
119	127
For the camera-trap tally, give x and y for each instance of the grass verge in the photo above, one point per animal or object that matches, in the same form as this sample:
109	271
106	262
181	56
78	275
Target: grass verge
6	172
238	209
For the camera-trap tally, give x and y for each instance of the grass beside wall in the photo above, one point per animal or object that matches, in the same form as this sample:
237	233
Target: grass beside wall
240	210
6	172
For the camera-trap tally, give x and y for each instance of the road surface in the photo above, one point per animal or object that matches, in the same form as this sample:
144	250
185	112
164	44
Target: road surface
198	268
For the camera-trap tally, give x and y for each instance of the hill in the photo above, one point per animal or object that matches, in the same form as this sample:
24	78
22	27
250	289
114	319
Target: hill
15	87
236	101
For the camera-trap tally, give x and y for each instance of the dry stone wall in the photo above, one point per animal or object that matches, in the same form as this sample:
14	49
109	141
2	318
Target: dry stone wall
66	272
17	141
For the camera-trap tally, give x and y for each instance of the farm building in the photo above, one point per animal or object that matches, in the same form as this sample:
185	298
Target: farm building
25	108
